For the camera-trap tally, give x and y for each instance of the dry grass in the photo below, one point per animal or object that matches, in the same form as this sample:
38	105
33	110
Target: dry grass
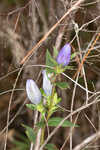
77	23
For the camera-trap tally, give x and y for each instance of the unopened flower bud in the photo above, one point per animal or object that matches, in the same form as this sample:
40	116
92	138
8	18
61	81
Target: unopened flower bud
64	55
47	86
33	92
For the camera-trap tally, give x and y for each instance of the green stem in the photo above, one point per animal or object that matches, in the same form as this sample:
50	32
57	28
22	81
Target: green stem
42	135
48	116
51	102
48	113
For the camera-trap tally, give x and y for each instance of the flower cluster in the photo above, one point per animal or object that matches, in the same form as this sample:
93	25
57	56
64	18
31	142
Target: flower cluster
32	89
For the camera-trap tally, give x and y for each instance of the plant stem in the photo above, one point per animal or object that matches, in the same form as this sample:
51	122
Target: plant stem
48	116
49	111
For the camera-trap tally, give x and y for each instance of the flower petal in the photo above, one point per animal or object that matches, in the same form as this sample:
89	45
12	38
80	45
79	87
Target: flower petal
64	55
33	92
47	86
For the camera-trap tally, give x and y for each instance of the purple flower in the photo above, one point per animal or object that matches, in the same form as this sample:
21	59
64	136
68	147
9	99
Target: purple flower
33	92
64	55
47	86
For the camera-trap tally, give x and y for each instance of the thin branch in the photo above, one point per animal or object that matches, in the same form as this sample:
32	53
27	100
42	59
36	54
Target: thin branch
67	117
88	140
50	31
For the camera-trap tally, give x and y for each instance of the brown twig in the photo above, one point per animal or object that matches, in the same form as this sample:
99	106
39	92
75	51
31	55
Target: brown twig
67	117
85	56
50	31
17	21
87	141
15	10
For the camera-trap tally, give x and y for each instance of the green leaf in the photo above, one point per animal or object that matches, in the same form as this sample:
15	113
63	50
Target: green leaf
23	144
42	92
30	133
11	2
68	67
54	121
50	70
59	69
49	60
53	109
73	55
41	108
31	106
55	52
41	124
51	147
62	85
56	100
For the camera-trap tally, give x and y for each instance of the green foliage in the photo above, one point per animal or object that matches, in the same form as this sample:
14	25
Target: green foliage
59	69
30	133
51	101
41	109
55	68
24	144
41	124
11	2
54	121
51	147
42	92
73	55
56	100
55	52
49	60
52	106
62	85
38	107
68	68
31	106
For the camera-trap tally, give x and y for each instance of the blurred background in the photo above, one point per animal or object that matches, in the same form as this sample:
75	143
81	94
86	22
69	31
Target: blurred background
22	25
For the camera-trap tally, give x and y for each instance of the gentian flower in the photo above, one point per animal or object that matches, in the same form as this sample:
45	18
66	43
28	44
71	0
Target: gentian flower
64	55
47	86
33	92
